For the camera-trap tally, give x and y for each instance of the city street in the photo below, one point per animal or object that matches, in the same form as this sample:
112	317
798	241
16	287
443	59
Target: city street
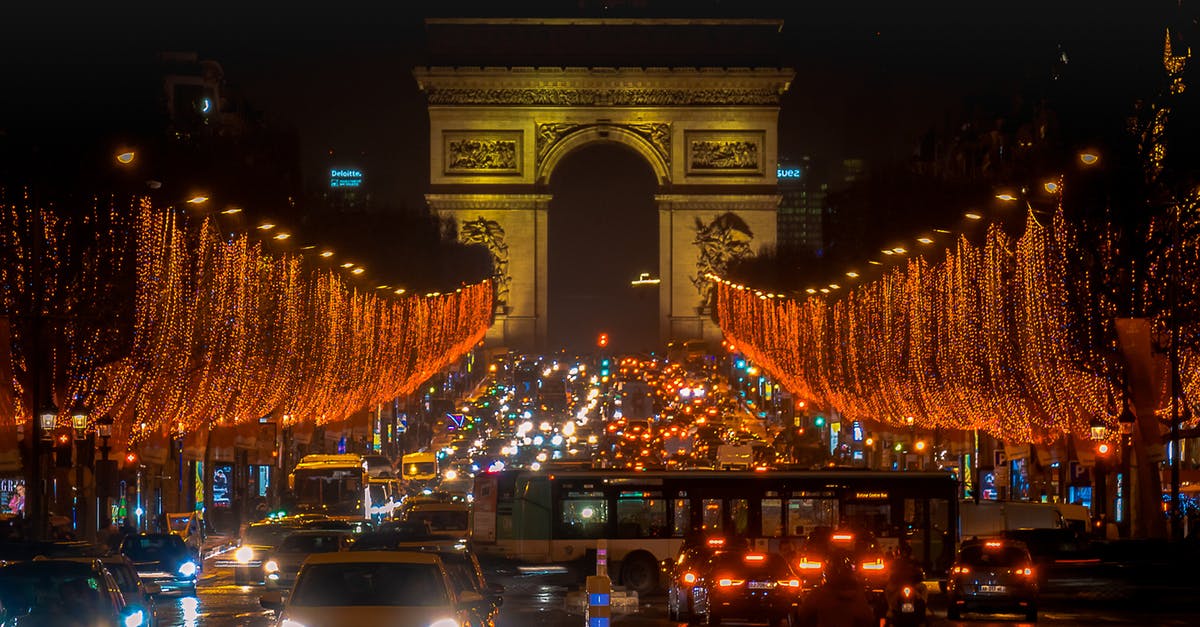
221	603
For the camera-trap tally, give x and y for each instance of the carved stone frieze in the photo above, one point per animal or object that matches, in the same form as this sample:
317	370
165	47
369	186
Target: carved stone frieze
658	134
719	154
600	97
481	154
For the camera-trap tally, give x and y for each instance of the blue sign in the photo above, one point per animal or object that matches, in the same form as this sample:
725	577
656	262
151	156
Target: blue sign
788	173
345	177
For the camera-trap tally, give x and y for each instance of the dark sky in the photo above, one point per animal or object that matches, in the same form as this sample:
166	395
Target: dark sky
871	74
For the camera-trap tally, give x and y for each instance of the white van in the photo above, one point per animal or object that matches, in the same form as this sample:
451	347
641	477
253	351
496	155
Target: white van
990	518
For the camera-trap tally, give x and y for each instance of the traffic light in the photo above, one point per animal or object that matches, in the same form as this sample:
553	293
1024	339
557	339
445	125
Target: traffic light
131	458
1103	449
605	367
819	421
62	451
602	341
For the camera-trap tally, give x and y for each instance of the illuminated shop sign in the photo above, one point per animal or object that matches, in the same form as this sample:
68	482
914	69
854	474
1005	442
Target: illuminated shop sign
787	173
345	177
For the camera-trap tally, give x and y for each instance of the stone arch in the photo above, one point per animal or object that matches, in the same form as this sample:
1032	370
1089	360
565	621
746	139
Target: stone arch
598	133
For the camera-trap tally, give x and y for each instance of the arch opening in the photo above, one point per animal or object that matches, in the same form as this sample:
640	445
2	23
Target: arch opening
603	232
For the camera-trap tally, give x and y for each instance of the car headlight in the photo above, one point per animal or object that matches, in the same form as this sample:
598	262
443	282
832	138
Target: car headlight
445	622
187	569
244	555
136	618
287	622
271	566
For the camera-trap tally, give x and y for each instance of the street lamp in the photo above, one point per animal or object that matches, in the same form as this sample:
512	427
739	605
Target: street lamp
1098	429
46	420
79	421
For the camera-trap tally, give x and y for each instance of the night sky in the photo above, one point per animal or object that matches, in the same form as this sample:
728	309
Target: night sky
872	75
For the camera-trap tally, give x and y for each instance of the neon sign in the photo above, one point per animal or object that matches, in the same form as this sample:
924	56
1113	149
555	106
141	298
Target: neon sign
345	177
787	173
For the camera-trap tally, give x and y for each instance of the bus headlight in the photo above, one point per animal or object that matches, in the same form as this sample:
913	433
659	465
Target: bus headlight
244	555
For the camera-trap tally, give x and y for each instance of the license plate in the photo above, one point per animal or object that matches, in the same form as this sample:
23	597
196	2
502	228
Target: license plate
907	607
761	585
991	588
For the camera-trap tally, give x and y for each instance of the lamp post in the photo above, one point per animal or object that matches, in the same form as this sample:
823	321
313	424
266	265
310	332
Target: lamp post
105	471
1098	432
79	422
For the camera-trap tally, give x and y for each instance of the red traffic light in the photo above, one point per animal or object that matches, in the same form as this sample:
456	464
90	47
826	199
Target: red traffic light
1103	448
131	457
602	341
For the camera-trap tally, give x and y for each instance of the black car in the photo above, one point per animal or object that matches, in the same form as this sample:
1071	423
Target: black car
49	593
684	572
747	586
163	559
992	576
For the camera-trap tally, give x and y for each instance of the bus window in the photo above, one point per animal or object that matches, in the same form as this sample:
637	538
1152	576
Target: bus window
712	514
682	524
739	515
804	514
584	515
641	515
874	517
772	518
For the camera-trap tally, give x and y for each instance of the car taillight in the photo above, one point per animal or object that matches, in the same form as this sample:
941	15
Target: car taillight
755	557
907	592
807	565
689	578
790	583
1028	572
876	565
729	583
960	570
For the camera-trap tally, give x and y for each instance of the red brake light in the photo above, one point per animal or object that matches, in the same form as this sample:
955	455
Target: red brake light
993	544
807	565
1028	572
907	592
755	557
843	537
689	578
876	565
727	583
960	570
716	542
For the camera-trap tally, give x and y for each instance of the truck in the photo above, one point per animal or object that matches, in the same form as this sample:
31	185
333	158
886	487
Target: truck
991	518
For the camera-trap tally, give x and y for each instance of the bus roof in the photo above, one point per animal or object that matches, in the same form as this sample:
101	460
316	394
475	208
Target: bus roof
832	474
317	461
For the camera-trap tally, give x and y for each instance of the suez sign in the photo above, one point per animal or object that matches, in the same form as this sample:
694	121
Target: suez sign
787	173
345	177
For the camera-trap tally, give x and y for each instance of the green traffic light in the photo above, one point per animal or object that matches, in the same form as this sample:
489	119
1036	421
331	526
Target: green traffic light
819	421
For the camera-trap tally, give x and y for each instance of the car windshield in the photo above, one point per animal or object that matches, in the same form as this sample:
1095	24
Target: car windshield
68	588
462	571
153	547
998	557
441	520
311	543
370	583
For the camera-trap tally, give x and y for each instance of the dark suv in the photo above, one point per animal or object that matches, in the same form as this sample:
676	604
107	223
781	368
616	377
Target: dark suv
993	575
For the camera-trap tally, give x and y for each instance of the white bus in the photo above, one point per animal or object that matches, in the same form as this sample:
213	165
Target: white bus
339	485
557	516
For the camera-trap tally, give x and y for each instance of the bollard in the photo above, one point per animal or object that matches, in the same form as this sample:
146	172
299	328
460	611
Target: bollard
599	591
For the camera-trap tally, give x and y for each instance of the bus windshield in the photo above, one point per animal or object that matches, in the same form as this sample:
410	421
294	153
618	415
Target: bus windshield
330	490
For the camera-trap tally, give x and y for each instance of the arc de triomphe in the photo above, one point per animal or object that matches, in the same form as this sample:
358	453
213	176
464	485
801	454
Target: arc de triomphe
709	133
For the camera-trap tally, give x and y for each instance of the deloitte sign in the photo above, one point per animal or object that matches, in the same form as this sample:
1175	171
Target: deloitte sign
345	177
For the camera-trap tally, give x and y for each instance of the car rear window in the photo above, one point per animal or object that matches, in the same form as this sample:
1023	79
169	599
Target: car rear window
53	587
370	583
152	547
1004	556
